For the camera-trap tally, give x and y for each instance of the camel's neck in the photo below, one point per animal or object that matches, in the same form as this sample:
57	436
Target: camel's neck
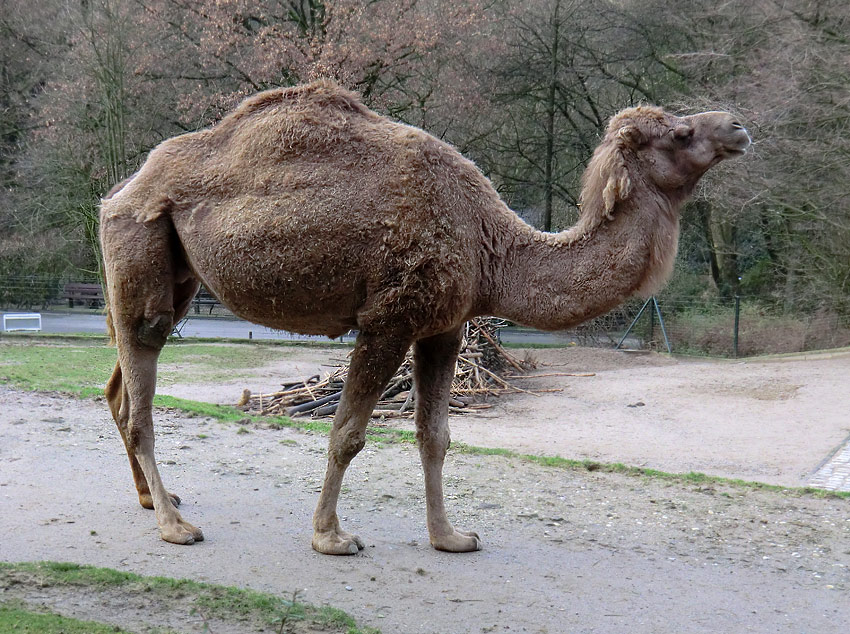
556	281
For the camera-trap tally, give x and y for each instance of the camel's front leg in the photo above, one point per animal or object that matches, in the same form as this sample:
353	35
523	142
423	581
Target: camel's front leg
435	360
373	362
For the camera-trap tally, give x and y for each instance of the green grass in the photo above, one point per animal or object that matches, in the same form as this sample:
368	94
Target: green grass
84	366
213	601
223	413
55	367
16	617
692	477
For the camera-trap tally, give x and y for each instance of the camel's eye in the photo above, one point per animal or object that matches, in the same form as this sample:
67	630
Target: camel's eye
683	132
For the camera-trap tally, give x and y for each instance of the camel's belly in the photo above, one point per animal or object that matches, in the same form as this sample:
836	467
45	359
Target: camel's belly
323	271
284	304
278	273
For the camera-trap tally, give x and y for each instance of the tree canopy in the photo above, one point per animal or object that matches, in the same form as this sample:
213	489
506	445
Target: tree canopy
88	87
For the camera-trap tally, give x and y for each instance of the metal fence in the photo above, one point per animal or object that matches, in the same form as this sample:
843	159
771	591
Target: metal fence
31	292
734	327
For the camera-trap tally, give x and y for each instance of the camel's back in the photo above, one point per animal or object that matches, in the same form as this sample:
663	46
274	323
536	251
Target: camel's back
319	121
306	194
318	137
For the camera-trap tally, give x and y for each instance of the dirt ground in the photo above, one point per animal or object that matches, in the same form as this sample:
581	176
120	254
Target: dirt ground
772	420
564	550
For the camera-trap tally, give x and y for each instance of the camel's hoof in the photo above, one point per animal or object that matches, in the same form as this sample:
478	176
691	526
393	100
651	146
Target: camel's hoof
146	500
332	543
457	542
183	533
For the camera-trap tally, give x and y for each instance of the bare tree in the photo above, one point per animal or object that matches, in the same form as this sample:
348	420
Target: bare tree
784	67
569	65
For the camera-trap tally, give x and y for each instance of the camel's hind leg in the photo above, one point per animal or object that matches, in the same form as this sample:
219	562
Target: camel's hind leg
147	290
116	396
373	363
434	366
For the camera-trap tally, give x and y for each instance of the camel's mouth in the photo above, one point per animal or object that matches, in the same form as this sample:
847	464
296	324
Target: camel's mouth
737	145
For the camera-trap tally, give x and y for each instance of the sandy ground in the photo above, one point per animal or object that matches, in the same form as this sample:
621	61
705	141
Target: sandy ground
772	420
564	551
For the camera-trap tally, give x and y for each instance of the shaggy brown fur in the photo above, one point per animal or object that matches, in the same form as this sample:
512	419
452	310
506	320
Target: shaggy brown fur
303	210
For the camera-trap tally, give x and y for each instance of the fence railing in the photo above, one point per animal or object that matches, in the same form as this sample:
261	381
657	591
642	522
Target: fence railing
31	292
736	327
36	292
740	326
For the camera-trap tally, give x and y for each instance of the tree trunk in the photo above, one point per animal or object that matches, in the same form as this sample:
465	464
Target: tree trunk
549	166
724	236
721	239
703	210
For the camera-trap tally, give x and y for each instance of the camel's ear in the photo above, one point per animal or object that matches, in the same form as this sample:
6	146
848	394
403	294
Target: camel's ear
683	131
630	136
606	179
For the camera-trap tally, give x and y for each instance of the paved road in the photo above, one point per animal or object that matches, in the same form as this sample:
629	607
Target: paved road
209	327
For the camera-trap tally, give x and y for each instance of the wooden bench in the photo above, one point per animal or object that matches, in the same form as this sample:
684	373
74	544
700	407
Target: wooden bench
90	295
204	298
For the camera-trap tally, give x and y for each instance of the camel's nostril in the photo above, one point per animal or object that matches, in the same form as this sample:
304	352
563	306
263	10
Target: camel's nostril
737	125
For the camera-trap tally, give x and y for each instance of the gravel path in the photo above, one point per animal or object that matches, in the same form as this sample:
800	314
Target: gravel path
564	550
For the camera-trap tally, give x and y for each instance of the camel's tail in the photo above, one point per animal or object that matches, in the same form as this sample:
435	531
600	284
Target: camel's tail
110	328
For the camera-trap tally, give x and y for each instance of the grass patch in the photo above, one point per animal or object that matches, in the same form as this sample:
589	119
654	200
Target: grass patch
223	413
693	477
213	601
82	367
319	426
65	368
17	617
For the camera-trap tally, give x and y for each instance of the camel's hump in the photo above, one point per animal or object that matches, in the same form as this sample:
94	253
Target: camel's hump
320	94
319	118
300	137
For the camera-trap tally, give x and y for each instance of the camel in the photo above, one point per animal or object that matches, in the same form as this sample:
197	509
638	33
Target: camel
303	210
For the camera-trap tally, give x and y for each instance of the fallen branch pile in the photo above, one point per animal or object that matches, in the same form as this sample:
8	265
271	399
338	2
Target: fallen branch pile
480	372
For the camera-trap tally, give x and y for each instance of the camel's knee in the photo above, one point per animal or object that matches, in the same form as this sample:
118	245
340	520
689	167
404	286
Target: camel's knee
154	332
433	442
346	444
139	437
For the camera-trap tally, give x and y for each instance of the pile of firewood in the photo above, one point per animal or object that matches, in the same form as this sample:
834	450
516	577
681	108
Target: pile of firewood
484	368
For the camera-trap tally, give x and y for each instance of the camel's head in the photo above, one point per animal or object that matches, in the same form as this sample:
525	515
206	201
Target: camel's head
668	153
684	148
